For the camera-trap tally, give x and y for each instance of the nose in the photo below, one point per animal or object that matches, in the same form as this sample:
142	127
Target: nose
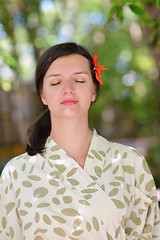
68	88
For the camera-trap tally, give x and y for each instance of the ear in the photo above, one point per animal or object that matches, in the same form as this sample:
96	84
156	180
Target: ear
43	99
93	96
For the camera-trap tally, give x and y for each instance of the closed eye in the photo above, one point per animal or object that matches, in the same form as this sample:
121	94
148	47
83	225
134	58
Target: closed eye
53	84
79	81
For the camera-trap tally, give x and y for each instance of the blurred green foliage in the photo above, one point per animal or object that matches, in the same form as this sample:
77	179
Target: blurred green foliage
116	30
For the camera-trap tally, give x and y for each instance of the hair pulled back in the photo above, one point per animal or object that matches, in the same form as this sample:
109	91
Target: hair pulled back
37	134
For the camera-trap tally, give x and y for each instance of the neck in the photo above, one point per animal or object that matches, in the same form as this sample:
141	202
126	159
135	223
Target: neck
73	135
69	130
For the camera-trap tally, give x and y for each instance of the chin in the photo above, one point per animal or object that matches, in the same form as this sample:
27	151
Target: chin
69	114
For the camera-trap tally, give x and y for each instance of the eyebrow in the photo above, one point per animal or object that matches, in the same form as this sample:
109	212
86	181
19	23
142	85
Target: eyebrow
53	75
81	72
58	74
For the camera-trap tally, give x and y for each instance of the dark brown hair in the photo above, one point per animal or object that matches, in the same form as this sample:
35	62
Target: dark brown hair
40	130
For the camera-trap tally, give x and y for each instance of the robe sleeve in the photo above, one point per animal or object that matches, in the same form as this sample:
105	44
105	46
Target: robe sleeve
144	218
10	224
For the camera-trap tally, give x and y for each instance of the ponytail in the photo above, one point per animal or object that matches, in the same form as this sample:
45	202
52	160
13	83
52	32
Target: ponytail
37	134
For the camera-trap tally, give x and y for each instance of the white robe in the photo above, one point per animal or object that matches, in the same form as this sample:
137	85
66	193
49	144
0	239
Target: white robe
49	196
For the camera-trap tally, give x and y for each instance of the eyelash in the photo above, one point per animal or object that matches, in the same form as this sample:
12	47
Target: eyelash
80	81
54	84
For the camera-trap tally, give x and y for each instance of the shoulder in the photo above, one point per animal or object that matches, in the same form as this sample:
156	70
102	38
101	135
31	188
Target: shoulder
118	149
127	156
16	163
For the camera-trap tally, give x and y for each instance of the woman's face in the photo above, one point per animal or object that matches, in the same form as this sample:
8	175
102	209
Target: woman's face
68	89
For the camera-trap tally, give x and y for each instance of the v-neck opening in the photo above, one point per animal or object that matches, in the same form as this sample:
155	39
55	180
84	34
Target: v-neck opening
49	139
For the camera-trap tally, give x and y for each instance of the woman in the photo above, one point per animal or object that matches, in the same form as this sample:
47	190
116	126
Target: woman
73	183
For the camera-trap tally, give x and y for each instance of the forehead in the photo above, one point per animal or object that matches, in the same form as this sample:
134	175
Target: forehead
74	62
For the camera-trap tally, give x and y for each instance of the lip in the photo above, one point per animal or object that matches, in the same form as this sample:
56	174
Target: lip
69	102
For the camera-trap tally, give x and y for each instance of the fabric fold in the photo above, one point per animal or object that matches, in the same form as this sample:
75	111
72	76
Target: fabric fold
49	194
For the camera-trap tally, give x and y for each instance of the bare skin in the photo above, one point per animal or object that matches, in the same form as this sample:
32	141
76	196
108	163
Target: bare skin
76	145
69	79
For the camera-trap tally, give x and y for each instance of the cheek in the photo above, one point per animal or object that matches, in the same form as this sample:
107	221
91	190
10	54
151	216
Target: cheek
47	96
87	99
91	95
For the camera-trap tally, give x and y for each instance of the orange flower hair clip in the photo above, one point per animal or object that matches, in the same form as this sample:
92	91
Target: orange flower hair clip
98	68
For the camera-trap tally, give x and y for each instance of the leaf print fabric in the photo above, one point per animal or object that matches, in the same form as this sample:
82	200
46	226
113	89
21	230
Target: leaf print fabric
49	196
